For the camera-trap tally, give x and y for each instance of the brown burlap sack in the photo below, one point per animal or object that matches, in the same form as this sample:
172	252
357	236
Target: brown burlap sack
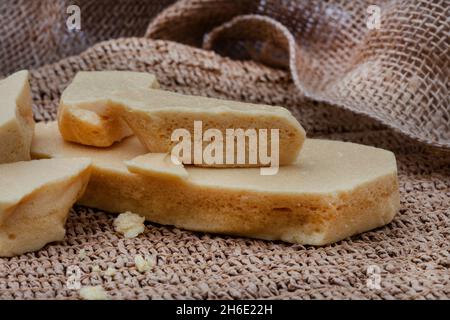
34	33
409	258
398	74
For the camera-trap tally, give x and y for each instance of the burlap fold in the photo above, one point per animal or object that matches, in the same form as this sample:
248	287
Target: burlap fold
397	74
408	259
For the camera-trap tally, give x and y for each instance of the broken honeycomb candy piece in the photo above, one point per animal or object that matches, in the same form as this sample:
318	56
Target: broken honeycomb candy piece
334	190
95	115
35	201
16	118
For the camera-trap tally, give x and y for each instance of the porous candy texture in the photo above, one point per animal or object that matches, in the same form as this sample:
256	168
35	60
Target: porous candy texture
410	105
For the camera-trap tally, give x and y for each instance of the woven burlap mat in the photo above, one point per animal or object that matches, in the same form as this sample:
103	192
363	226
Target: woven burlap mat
408	259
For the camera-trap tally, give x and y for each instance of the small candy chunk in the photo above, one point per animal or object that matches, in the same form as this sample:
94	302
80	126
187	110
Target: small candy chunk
129	224
93	293
16	118
96	268
86	113
110	271
82	254
35	200
144	264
